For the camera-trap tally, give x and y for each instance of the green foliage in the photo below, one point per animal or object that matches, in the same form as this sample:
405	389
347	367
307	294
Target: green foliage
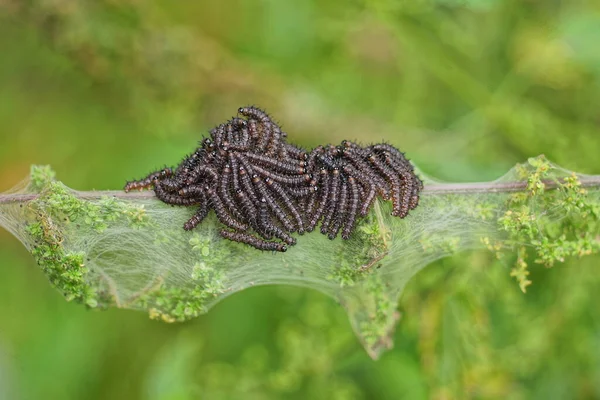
54	214
176	303
41	177
66	271
106	90
368	246
383	315
555	222
555	225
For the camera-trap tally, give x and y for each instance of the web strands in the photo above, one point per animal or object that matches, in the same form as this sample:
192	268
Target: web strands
264	189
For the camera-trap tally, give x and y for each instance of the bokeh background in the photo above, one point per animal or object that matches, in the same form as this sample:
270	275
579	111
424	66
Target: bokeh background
107	90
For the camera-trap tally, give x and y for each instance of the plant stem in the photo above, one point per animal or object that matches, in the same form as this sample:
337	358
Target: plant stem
430	189
588	181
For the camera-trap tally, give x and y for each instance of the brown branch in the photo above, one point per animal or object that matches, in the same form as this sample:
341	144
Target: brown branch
18	198
430	189
588	181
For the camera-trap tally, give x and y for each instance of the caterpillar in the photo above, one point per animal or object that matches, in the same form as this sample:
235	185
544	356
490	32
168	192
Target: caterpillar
264	189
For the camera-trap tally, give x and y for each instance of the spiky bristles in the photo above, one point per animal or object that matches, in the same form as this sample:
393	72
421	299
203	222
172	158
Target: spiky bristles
264	189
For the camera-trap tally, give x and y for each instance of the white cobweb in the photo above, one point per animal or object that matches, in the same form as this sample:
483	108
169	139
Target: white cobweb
111	249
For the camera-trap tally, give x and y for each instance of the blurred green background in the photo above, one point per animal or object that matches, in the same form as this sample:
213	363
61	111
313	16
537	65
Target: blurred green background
107	90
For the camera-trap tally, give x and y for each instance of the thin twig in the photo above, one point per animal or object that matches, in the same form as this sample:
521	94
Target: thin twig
431	189
500	187
18	198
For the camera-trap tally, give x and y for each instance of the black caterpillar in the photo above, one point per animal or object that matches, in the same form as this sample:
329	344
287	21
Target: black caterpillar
263	189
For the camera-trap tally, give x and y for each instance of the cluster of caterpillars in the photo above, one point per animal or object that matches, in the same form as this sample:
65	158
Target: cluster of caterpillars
264	189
